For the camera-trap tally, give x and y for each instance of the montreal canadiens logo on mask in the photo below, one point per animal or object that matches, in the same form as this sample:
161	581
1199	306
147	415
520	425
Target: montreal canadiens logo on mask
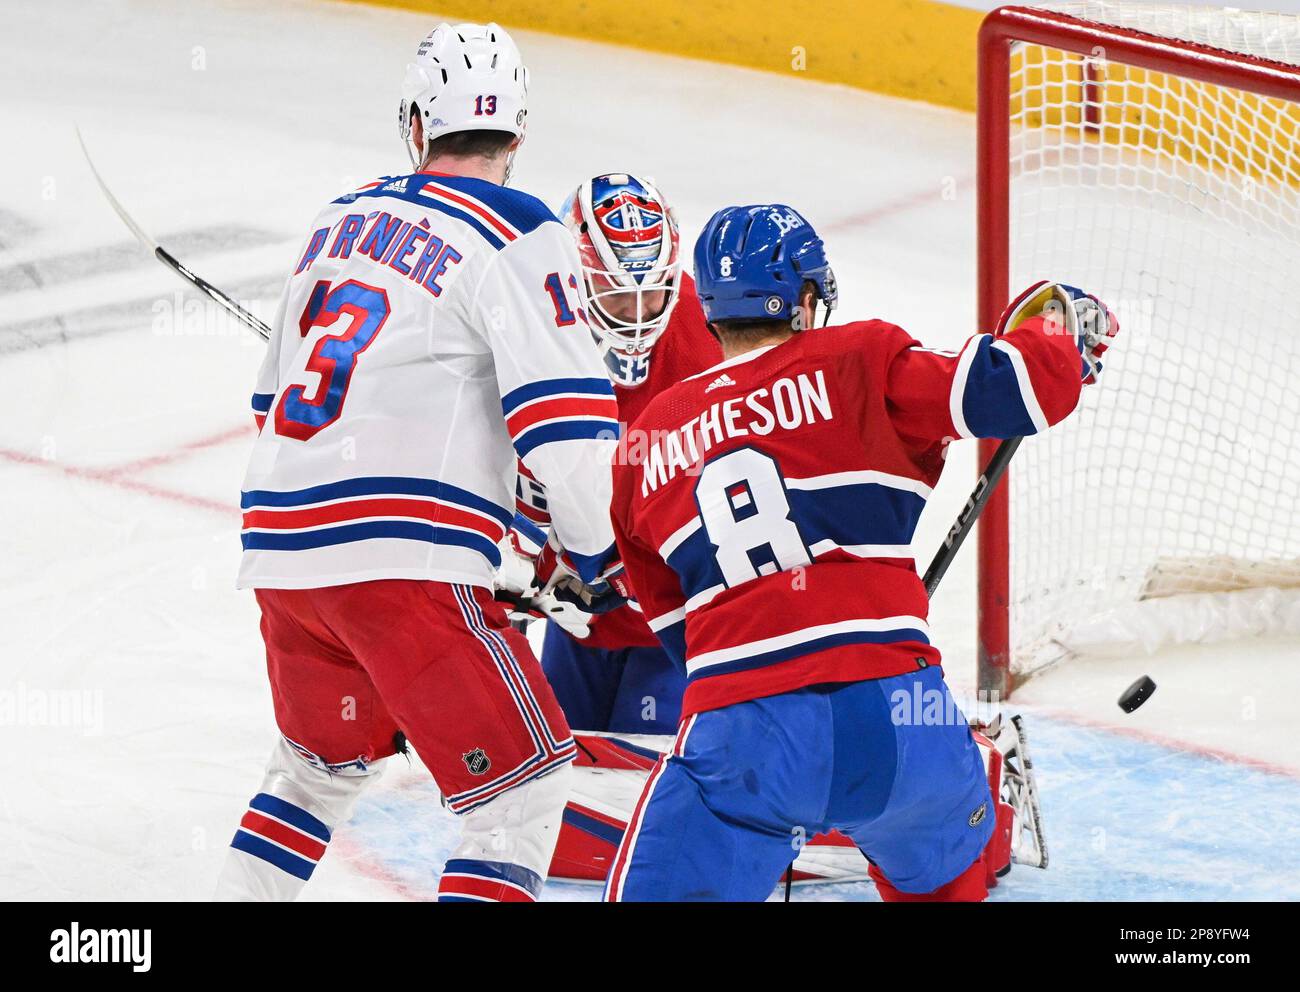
629	221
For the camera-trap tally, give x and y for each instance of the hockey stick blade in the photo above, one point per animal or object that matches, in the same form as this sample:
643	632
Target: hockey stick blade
168	259
139	232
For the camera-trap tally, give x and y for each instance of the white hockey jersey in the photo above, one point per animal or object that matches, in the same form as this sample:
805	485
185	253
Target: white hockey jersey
433	330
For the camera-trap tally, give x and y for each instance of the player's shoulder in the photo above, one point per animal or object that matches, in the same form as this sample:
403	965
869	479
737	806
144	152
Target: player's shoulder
687	293
858	337
499	213
522	212
370	189
688	313
677	402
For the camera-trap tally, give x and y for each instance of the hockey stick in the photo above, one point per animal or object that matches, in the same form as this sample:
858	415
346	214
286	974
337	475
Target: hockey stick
170	260
1025	792
965	522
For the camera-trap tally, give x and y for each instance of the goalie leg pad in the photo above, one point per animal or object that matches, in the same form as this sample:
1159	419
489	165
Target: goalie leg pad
997	854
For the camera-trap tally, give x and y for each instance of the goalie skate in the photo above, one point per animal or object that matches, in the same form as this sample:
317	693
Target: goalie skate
1011	777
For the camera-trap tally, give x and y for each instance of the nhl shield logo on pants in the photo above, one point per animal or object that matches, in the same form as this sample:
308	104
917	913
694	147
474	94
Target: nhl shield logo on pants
476	761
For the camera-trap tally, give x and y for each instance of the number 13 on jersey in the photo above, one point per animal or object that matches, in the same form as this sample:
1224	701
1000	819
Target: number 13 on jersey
333	358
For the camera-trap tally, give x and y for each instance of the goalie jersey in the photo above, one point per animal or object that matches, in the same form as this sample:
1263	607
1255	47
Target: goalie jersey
431	333
765	509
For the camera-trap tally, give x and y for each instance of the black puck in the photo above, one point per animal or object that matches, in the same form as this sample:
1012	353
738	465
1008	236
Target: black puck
1136	694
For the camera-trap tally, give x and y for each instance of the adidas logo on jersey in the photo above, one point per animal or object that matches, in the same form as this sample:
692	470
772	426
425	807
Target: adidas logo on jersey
719	382
396	186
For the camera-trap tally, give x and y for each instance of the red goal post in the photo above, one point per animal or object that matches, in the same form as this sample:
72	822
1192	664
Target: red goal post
1084	118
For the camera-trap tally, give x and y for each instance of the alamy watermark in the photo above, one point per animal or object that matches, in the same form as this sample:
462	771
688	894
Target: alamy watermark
68	709
77	946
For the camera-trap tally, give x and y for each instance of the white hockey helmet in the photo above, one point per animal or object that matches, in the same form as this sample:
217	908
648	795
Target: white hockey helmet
465	77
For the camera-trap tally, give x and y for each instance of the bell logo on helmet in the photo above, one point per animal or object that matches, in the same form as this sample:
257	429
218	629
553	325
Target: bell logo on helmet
787	221
752	262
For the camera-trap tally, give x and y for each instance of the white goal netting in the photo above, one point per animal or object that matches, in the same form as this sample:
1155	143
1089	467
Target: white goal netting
1167	507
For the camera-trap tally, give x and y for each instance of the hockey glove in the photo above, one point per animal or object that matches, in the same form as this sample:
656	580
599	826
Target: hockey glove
1069	311
558	576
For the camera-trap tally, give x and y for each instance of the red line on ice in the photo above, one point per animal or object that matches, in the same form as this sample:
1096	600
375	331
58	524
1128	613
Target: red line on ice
185	450
358	857
901	205
118	477
1173	743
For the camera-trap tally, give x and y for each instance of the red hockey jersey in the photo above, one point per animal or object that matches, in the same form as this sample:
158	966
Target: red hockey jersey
765	508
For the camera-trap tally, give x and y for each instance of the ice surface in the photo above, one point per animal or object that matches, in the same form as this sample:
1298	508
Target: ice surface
134	713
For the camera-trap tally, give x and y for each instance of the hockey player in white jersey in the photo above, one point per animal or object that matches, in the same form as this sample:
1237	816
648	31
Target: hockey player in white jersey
432	331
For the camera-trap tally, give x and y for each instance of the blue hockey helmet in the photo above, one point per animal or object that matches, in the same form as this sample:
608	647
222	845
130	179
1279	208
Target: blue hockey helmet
751	264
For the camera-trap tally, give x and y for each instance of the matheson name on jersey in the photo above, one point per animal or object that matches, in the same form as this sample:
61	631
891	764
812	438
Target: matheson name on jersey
789	403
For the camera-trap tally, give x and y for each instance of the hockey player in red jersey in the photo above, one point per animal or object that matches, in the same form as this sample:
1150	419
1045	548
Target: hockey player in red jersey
648	324
765	510
432	334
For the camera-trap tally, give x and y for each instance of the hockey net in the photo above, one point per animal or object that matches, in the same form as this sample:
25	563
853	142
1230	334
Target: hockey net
1151	155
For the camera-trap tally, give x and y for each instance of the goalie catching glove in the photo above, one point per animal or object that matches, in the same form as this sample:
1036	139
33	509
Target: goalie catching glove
1068	311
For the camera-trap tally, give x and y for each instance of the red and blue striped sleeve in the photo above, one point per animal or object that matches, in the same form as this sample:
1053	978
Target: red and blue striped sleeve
564	409
1021	383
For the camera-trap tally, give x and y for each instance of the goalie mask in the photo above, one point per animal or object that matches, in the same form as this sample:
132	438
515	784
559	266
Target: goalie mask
627	240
